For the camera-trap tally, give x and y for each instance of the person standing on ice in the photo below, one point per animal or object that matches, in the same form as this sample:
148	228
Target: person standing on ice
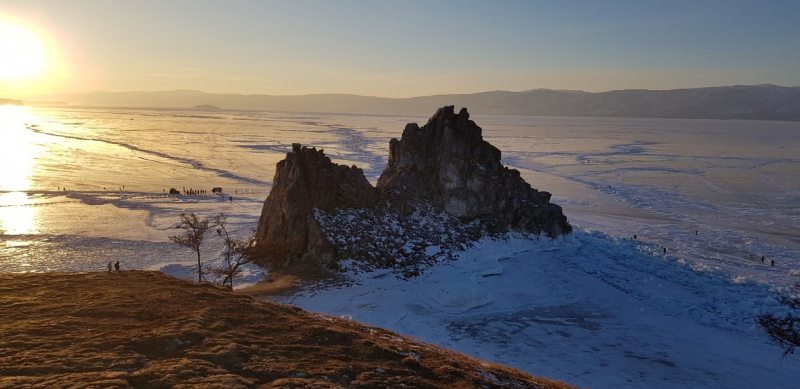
109	266
772	262
116	265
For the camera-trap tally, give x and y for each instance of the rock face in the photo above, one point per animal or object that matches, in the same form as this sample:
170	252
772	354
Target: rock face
448	163
443	186
288	232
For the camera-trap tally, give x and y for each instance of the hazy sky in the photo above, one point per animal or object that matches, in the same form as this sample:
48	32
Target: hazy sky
408	48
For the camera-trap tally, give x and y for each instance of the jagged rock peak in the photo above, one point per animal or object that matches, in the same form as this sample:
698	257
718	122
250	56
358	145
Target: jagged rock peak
448	163
319	212
306	180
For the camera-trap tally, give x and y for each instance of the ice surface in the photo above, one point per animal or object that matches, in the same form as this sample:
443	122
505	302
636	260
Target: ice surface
592	310
432	250
596	309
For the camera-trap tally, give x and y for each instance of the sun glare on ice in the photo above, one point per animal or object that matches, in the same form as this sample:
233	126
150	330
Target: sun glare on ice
17	216
16	148
17	156
22	53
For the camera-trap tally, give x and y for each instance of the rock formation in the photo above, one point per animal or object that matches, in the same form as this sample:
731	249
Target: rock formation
448	163
307	180
443	187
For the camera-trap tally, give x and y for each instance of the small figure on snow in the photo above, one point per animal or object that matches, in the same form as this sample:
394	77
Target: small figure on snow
665	250
116	265
634	236
109	266
762	259
772	262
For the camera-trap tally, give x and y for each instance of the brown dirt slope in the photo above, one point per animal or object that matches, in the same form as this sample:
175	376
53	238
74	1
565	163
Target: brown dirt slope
138	329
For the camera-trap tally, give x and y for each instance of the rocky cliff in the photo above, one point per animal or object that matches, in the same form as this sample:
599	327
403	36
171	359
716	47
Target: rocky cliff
443	187
304	182
448	163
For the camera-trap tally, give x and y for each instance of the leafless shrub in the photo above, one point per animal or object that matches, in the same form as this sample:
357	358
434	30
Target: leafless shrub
236	252
785	331
194	231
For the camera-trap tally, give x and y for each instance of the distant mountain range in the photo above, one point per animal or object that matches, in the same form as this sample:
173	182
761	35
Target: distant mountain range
760	102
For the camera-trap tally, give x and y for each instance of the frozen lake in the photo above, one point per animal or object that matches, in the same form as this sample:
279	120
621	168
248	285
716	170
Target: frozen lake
736	182
80	187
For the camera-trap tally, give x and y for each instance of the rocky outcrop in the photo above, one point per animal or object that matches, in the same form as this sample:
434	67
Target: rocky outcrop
448	163
288	232
443	187
407	237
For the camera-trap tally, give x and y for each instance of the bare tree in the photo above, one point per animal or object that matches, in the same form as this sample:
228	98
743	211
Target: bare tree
785	331
236	252
194	230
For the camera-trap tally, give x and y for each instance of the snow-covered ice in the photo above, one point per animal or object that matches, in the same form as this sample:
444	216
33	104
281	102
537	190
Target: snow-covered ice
591	310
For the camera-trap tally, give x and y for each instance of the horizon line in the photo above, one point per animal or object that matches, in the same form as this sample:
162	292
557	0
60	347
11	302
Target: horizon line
412	97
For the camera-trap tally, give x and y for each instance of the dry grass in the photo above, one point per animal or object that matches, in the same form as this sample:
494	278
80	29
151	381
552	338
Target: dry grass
137	329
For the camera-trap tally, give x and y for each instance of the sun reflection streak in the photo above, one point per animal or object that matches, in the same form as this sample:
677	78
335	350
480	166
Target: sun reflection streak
17	158
17	215
16	149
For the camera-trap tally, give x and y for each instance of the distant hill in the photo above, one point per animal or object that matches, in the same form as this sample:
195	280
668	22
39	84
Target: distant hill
45	103
761	102
207	107
10	102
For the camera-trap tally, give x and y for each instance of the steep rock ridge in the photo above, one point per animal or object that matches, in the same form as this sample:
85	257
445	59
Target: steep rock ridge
443	187
305	180
448	163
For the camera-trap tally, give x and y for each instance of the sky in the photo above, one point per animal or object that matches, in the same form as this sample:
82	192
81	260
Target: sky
403	48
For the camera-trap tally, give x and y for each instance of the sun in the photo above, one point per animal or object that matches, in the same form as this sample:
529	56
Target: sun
22	53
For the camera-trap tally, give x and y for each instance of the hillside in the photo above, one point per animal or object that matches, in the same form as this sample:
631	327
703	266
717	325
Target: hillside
10	102
149	330
758	102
